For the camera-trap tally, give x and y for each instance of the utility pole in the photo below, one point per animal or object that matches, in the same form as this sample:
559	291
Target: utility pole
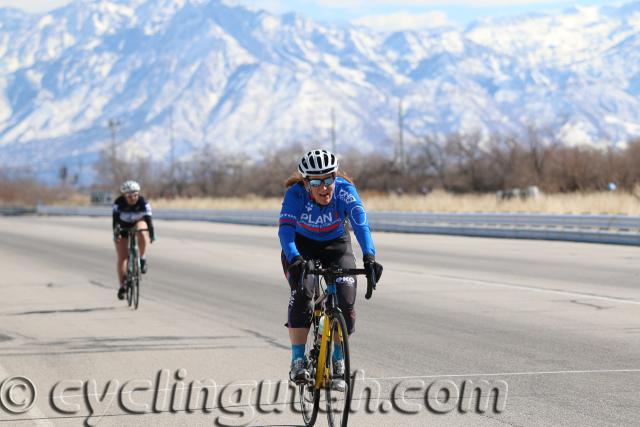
401	137
172	167
78	175
172	145
333	130
114	124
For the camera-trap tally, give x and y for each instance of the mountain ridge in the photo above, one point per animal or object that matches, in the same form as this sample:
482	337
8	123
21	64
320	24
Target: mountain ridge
243	81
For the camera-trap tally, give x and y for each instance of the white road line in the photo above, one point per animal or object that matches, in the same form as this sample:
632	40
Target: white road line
509	374
34	413
536	289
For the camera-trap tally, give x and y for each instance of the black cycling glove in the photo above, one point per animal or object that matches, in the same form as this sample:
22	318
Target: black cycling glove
295	269
374	269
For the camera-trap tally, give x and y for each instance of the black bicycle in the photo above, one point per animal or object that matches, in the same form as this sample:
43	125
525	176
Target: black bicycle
328	330
133	275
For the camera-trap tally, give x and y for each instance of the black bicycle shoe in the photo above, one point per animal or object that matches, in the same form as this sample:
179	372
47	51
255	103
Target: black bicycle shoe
143	266
121	292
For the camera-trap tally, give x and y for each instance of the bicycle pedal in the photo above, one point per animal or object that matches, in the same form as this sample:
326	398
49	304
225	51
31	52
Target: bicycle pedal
303	381
297	382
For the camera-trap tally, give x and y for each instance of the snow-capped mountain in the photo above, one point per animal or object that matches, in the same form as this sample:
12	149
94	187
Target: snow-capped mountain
202	72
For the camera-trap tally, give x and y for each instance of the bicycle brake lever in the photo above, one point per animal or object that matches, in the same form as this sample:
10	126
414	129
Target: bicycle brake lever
307	266
371	285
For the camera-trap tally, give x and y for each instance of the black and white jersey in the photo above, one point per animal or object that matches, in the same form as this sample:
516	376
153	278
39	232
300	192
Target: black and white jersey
126	215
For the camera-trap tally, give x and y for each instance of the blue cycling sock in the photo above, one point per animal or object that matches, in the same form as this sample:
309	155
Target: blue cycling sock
337	352
297	351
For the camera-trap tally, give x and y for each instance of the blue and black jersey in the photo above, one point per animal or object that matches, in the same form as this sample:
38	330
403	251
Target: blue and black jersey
301	215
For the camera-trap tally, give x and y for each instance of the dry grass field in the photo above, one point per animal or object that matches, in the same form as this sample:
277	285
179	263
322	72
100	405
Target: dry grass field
438	201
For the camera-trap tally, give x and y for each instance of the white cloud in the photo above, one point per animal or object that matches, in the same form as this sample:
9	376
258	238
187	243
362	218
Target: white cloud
399	21
34	5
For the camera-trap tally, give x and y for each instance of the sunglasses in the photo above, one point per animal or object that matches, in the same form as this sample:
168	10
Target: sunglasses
132	195
328	182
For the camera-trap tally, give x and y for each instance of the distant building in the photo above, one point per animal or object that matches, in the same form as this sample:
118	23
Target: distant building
101	197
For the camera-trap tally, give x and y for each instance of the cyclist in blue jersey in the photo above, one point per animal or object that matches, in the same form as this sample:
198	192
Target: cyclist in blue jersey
318	202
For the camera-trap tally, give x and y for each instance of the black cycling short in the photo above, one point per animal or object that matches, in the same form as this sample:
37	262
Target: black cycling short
336	251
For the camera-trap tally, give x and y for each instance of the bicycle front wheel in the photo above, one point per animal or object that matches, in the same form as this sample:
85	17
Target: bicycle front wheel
308	394
129	291
136	292
338	388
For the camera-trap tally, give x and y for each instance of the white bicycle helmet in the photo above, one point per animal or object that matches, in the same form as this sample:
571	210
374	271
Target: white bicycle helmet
129	187
318	162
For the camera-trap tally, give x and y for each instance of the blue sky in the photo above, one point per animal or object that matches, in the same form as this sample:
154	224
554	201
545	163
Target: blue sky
384	14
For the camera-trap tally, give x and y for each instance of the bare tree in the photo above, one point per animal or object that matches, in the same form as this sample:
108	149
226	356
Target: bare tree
435	161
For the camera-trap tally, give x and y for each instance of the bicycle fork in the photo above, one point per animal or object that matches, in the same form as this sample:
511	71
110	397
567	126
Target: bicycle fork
133	258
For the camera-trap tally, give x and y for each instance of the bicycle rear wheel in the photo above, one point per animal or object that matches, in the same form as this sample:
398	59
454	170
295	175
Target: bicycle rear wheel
308	394
338	388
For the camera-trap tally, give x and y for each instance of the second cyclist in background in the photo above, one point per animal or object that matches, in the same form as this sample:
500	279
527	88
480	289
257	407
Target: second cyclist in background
131	210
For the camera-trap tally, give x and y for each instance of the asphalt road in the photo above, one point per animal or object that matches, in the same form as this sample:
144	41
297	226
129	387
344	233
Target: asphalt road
553	326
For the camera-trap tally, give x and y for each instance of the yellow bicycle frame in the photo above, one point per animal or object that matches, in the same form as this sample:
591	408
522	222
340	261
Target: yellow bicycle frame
322	371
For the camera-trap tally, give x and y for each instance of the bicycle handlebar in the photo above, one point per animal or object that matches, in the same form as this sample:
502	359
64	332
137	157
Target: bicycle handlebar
333	271
129	230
